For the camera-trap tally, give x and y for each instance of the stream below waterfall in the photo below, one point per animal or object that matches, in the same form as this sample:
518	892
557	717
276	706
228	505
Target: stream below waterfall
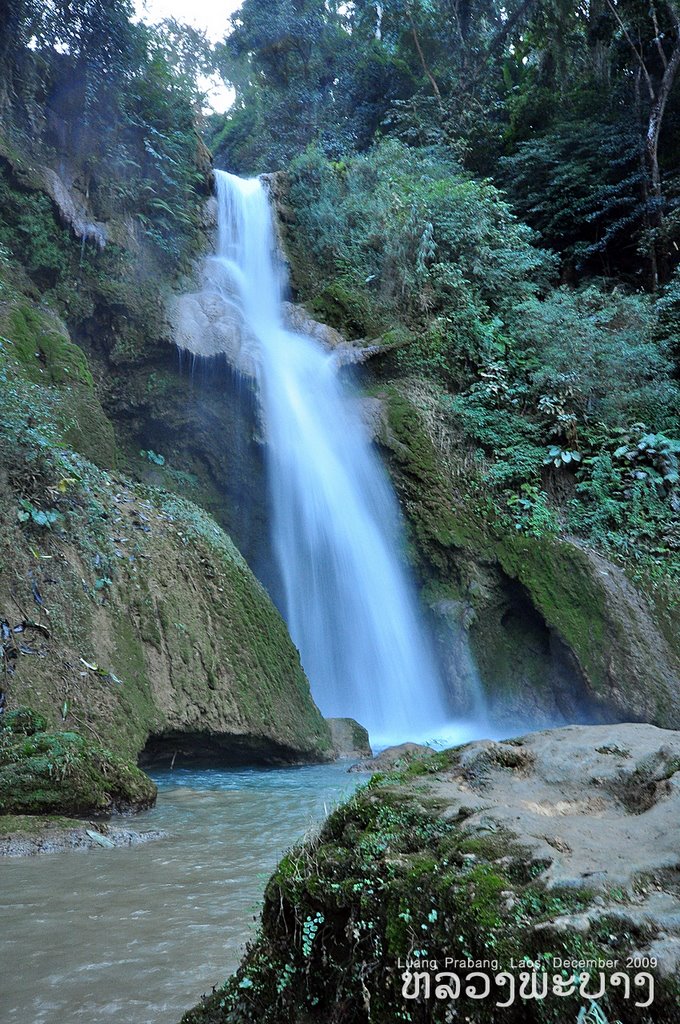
136	936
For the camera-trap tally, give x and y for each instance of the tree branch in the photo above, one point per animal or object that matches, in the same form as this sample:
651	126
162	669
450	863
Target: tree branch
659	104
423	62
657	37
638	55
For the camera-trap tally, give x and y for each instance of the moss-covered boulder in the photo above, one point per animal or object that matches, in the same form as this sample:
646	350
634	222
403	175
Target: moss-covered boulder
543	861
62	773
152	625
127	614
630	665
350	739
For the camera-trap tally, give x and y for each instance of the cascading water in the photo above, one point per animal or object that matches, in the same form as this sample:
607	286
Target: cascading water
348	602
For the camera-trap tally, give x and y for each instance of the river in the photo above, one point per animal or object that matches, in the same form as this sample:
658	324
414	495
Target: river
137	935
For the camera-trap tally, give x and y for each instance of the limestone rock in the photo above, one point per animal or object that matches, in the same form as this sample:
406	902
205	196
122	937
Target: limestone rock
349	738
557	631
72	209
598	804
503	857
183	644
147	622
27	836
390	758
346	352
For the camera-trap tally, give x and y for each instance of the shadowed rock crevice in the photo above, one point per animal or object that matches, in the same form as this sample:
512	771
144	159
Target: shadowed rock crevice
214	750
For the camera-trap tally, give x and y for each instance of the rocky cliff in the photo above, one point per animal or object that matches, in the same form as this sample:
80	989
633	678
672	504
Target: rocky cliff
558	631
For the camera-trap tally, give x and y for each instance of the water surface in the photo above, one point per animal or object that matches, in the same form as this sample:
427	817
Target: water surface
137	935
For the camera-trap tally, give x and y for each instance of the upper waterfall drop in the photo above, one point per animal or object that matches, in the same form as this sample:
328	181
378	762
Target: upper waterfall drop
349	605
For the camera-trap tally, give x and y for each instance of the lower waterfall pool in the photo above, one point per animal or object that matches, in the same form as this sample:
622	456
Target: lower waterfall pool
137	935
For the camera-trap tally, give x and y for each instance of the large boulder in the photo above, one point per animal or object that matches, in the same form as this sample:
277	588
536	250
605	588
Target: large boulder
395	757
349	738
546	860
127	614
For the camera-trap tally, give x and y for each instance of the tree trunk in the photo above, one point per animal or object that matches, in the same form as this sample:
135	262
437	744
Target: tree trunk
654	124
657	112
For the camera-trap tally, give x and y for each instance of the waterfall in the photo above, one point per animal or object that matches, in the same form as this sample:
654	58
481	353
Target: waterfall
348	602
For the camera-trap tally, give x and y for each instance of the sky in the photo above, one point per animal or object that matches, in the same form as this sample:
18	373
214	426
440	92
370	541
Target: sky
210	15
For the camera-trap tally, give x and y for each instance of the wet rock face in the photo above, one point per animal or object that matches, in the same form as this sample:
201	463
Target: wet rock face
557	632
345	351
560	844
202	419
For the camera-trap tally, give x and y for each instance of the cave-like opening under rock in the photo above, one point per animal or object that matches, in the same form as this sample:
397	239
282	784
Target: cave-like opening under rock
207	750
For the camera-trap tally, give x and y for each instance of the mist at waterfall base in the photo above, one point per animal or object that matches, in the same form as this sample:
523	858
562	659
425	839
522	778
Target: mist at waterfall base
336	534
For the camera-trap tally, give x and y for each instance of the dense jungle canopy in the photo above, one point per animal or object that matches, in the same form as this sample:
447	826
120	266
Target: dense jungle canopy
496	186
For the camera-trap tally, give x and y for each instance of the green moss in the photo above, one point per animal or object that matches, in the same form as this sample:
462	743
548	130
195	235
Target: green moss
22	722
434	528
62	773
43	347
517	591
348	310
133	716
27	826
86	428
431	764
562	585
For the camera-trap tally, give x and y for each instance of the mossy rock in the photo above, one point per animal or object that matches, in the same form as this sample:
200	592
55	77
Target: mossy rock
22	722
63	773
86	428
42	345
608	625
30	826
545	613
347	310
37	347
408	870
350	739
157	626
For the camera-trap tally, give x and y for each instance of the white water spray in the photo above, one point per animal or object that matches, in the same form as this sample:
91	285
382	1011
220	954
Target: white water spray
349	605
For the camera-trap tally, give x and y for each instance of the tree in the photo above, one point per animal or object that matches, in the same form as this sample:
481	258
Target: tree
655	49
286	62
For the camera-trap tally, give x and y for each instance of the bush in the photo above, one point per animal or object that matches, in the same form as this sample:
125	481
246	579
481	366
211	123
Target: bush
435	248
597	357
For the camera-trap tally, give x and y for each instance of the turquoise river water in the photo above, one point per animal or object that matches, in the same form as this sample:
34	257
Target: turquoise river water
135	936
